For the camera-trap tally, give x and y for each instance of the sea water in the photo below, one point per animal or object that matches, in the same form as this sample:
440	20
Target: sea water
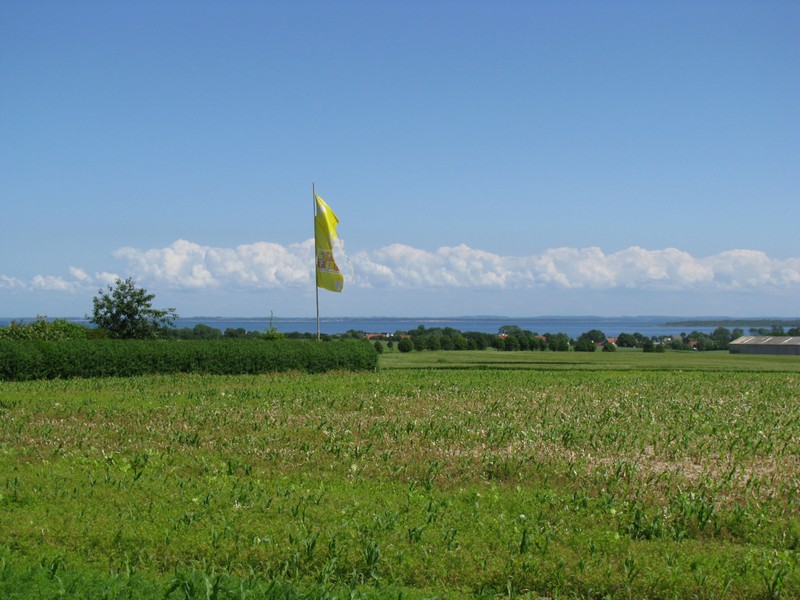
572	326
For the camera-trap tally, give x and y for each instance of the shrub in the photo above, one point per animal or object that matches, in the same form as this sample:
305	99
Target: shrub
405	345
585	344
558	342
42	329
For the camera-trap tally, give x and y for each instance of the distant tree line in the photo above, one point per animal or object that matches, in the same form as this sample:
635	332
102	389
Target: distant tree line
509	338
774	330
513	338
125	311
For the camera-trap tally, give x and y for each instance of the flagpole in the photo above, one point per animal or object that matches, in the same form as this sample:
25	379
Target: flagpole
316	270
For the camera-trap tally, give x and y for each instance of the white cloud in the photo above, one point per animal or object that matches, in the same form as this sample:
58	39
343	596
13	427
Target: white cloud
52	283
398	265
574	268
185	264
7	282
744	269
80	281
105	278
264	265
79	274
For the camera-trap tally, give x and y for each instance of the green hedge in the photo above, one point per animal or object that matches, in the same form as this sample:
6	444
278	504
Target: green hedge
23	360
42	329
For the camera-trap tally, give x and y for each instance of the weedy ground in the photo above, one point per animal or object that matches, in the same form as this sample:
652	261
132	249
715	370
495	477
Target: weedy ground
416	483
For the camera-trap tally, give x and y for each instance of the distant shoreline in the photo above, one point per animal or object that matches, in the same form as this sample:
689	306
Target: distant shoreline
760	322
572	326
666	320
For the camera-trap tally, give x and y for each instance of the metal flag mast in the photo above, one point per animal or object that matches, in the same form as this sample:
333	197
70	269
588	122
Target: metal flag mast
316	269
327	274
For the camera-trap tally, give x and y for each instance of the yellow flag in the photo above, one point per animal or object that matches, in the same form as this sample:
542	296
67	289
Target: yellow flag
325	221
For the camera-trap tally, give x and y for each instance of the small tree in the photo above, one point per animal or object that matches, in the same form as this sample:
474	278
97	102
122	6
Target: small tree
405	345
558	342
585	344
596	335
126	312
272	332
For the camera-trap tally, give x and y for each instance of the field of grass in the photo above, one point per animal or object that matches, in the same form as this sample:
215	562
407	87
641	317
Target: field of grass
621	360
616	476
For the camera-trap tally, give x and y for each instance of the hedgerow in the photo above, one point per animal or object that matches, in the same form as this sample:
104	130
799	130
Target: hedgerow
25	360
42	329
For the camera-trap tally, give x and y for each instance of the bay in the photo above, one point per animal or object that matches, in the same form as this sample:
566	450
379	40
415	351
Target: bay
573	326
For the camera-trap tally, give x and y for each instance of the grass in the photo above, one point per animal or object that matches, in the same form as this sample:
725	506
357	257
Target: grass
622	359
534	479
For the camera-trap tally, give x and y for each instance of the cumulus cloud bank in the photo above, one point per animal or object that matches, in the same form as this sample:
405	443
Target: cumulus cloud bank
79	281
461	266
188	265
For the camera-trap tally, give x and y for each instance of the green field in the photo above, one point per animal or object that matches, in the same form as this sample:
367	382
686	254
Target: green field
444	474
621	360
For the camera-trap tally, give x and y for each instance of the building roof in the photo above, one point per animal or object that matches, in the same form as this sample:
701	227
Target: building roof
767	340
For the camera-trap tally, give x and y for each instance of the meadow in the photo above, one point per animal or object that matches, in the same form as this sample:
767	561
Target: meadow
443	474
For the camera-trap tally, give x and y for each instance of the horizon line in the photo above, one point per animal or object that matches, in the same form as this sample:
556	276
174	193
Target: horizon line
449	317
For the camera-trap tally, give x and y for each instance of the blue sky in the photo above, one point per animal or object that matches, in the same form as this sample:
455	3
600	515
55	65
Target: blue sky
508	158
